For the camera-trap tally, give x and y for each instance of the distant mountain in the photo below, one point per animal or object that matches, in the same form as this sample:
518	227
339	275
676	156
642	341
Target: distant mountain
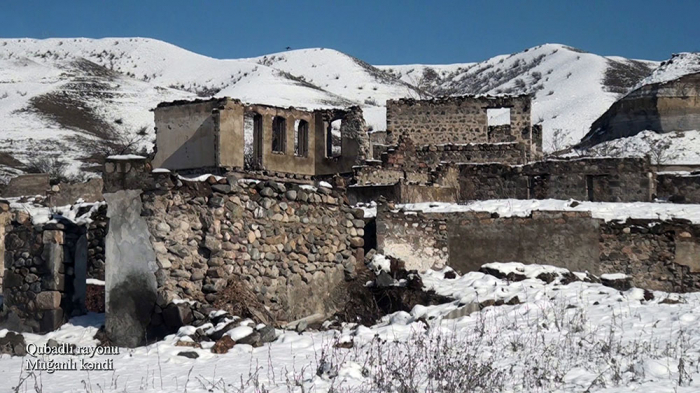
69	99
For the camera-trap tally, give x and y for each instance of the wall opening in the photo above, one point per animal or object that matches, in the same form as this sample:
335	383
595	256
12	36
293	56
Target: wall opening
279	134
498	116
334	139
301	138
252	150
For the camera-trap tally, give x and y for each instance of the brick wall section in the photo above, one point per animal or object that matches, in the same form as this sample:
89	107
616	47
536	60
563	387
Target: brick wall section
659	255
291	245
679	188
602	180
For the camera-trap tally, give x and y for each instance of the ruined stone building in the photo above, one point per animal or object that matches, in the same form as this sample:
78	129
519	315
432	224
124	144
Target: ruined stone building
226	134
662	107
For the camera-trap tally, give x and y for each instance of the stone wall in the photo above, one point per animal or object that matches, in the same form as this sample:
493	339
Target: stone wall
602	180
679	188
27	185
96	235
292	245
419	240
660	255
5	217
460	120
45	272
68	193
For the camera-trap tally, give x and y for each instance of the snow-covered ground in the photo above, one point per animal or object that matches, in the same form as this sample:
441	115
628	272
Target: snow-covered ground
580	337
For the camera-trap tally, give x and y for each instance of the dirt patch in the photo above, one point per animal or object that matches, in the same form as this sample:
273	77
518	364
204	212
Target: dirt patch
72	113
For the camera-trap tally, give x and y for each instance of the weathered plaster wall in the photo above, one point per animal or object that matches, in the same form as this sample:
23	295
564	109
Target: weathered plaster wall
421	243
679	188
186	134
230	133
662	107
286	162
130	266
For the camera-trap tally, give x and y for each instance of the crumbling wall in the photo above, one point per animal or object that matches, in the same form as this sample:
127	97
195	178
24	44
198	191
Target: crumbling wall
602	180
96	235
420	241
679	188
662	107
27	185
659	255
456	120
44	276
186	134
292	245
68	193
4	220
355	142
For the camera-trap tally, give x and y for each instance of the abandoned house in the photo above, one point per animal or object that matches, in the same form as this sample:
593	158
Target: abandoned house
224	133
662	107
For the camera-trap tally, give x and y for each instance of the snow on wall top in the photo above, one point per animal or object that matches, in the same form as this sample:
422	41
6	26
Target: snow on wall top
607	211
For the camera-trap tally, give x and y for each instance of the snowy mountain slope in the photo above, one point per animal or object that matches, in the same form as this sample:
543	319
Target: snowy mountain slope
571	88
61	97
678	65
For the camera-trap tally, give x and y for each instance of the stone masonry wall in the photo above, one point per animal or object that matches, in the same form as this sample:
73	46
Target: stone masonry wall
44	265
659	255
4	220
454	119
603	180
679	188
292	245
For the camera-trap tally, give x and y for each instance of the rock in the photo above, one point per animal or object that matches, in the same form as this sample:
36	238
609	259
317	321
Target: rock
177	315
13	344
291	195
253	339
357	242
384	280
450	274
222	188
217	201
189	354
48	300
620	282
267	334
301	326
222	345
267	192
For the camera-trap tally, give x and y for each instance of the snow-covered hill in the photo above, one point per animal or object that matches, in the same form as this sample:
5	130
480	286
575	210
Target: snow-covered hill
72	98
571	88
